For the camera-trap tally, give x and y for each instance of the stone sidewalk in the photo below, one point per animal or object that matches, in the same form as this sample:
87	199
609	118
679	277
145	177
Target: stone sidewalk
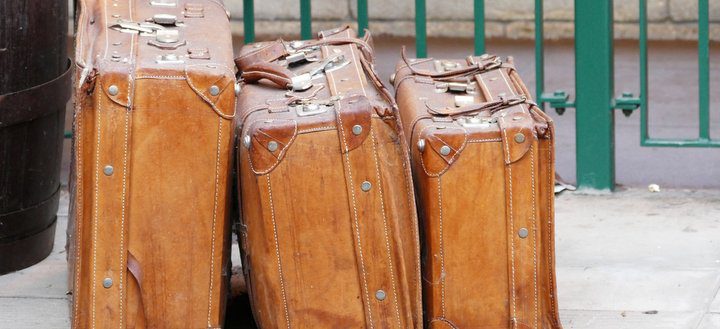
631	259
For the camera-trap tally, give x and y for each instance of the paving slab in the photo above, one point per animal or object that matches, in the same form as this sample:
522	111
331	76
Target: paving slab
630	259
636	289
33	313
710	321
575	319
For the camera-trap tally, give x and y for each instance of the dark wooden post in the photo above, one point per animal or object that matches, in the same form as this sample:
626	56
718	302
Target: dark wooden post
34	89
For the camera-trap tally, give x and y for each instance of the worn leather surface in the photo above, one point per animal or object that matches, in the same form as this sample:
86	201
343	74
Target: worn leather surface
328	211
156	225
493	180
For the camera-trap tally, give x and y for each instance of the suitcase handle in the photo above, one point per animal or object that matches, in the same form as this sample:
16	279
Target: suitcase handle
487	63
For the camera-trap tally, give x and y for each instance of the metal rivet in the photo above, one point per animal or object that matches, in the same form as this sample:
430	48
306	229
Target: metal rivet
380	295
445	150
365	186
519	138
357	130
246	141
272	146
392	79
113	90
107	283
421	145
523	233
214	90
237	89
108	170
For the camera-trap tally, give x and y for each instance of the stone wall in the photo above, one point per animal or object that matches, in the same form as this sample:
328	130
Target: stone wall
513	19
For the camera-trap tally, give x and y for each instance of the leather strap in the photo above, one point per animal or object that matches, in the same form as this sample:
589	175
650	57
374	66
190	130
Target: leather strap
270	52
274	72
135	270
492	107
489	63
29	104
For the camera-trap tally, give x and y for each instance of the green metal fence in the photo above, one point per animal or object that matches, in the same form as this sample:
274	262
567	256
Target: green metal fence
595	102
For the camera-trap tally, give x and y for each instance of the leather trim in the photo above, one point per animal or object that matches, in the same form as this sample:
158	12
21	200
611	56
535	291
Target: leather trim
201	77
353	111
434	163
512	127
262	132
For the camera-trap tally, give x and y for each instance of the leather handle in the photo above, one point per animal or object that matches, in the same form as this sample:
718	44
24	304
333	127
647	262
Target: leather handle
133	267
276	73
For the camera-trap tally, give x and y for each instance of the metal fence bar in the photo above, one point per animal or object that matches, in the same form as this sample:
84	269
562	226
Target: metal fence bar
704	69
642	39
305	20
539	51
594	121
420	29
249	21
703	139
479	17
362	18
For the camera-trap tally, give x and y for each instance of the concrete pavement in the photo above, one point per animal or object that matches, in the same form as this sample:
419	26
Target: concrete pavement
631	259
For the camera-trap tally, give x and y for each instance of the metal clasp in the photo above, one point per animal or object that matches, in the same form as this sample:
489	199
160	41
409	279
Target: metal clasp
466	87
476	121
304	81
163	3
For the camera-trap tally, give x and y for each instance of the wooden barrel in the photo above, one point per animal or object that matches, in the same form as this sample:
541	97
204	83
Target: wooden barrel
34	88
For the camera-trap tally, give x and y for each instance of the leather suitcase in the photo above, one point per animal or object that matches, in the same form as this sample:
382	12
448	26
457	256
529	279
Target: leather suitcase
152	151
483	164
329	230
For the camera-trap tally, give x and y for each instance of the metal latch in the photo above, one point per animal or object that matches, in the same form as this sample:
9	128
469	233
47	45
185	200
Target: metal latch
463	100
308	109
445	66
194	10
304	81
144	28
167	39
168	59
199	53
163	3
477	122
467	87
165	19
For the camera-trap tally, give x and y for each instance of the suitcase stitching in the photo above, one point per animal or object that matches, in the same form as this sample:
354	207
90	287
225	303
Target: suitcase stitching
535	265
452	159
282	152
95	204
277	252
317	129
387	239
215	207
352	190
442	250
512	226
78	213
199	93
355	215
550	241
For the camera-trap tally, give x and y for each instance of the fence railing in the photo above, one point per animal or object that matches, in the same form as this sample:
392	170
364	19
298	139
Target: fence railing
595	102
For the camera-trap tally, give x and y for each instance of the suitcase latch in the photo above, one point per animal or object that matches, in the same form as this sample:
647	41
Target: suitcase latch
309	109
194	10
167	39
168	59
199	53
478	122
458	87
163	3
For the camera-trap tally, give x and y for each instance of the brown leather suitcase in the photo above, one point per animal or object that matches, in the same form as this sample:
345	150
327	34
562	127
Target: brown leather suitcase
329	230
482	155
152	151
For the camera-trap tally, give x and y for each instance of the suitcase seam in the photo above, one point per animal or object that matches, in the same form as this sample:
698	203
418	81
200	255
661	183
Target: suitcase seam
349	171
95	204
215	208
277	253
78	141
385	226
512	228
534	218
442	250
358	242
